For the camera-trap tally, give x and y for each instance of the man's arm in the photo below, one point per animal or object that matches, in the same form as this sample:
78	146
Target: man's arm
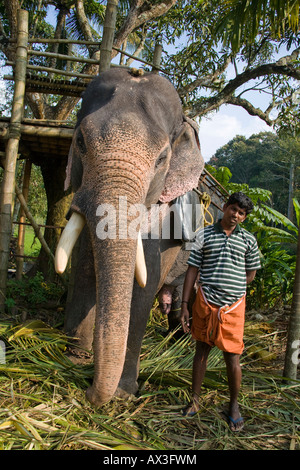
250	275
188	285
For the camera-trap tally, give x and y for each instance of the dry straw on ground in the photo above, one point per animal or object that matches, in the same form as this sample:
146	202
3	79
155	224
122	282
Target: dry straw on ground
43	405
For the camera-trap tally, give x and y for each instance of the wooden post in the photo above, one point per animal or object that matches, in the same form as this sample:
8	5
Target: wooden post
292	354
108	35
157	57
8	184
21	233
33	223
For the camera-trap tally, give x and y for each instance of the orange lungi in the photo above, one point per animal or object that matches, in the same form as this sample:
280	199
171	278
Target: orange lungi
219	326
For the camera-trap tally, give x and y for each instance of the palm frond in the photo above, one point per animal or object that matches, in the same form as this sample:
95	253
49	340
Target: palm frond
43	405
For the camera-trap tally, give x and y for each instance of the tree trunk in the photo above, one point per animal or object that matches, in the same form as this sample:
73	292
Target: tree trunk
22	220
9	177
54	173
291	189
292	356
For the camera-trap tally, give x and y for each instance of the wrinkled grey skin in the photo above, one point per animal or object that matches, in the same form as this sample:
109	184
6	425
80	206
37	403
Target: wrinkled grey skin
131	140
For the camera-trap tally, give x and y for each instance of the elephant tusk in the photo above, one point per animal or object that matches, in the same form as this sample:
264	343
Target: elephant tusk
140	264
67	241
69	237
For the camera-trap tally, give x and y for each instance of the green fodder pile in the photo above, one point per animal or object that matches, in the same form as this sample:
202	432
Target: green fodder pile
43	404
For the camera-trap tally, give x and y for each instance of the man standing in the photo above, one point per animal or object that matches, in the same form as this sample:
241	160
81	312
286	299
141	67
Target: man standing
227	257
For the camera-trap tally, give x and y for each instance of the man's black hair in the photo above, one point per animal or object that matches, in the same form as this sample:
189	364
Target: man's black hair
242	200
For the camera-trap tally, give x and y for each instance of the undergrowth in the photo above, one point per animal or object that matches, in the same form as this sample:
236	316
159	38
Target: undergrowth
43	404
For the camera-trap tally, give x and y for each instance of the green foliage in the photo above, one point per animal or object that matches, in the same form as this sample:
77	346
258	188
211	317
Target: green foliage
222	174
31	291
264	160
273	284
276	237
37	200
244	19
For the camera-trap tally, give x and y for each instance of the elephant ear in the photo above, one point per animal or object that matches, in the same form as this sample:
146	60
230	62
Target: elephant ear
186	162
68	169
74	170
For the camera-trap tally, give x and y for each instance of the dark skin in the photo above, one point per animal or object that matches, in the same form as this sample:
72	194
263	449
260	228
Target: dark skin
233	215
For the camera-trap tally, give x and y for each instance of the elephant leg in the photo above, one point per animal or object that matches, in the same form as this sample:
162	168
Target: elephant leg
80	312
174	314
159	256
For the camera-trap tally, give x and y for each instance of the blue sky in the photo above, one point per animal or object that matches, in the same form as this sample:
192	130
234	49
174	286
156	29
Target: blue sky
219	128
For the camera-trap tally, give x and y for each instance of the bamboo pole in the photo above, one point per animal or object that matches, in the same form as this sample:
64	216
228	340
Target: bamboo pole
132	56
155	64
8	184
63	57
108	35
85	43
41	131
62	41
58	71
35	226
22	226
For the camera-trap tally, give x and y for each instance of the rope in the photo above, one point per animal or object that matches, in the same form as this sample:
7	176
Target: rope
205	201
15	130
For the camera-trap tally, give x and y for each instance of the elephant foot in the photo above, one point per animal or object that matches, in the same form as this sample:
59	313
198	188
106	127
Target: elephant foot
93	397
96	399
78	356
120	393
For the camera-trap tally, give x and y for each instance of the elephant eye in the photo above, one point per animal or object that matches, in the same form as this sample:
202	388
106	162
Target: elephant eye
162	158
80	142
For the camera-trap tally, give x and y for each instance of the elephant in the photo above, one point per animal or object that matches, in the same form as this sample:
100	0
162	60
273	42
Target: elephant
132	147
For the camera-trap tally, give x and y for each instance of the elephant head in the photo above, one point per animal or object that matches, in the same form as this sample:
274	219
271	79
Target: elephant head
133	142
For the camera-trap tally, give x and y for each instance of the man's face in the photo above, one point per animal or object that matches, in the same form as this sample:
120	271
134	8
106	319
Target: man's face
233	214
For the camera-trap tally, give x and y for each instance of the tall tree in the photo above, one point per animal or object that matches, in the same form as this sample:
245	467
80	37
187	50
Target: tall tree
264	160
206	74
242	19
209	75
132	15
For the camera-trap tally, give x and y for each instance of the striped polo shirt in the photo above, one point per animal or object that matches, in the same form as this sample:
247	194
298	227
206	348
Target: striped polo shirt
223	262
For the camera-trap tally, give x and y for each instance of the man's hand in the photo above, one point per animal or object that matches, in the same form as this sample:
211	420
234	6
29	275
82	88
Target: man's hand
185	318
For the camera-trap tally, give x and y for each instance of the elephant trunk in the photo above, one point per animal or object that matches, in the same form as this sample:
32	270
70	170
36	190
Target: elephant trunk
114	291
115	254
116	263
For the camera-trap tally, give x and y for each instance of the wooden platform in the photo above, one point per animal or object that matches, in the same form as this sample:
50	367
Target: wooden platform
39	138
